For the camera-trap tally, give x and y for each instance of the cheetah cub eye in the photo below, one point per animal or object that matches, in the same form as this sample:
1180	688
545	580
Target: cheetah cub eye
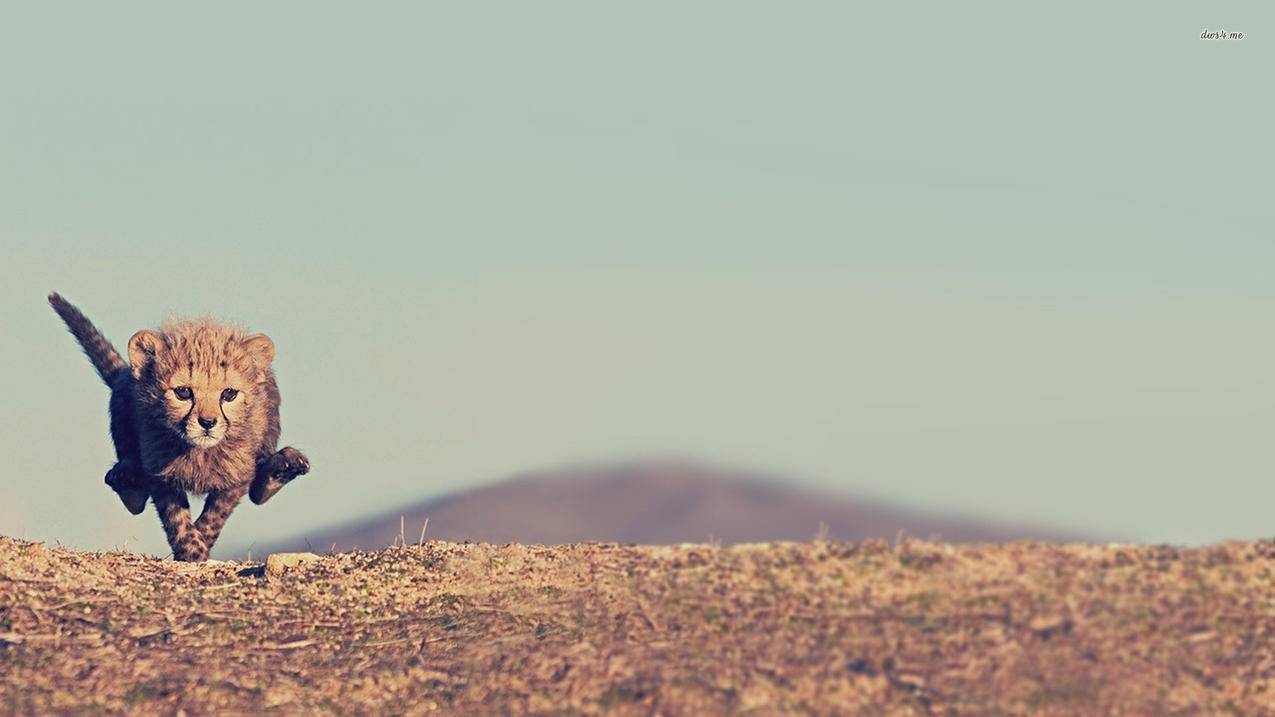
183	392
229	395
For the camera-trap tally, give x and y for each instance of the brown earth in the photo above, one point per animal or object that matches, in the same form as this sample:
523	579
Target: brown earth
798	628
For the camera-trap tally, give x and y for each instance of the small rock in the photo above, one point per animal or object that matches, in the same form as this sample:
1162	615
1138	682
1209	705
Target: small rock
911	682
1049	625
275	697
278	563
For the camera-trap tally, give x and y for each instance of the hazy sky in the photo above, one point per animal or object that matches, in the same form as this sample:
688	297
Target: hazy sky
1002	259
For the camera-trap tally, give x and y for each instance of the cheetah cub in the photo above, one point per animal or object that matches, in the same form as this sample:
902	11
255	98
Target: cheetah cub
196	409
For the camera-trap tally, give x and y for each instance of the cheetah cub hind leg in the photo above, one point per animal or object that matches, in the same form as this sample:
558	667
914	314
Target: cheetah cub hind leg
277	471
130	485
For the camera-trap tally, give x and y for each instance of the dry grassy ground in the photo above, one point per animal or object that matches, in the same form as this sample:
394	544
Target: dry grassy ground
819	628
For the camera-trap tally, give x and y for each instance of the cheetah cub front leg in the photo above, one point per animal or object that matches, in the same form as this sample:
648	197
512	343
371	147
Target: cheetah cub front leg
174	512
275	472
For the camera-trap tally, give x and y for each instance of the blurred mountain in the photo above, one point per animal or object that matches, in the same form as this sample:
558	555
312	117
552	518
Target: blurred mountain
660	502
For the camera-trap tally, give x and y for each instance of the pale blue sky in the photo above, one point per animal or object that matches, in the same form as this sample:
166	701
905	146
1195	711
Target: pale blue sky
998	259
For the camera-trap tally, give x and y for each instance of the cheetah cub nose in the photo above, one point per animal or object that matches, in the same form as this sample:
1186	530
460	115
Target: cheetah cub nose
207	422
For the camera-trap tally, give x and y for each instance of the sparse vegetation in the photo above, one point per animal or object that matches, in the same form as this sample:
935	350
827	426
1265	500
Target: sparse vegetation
816	628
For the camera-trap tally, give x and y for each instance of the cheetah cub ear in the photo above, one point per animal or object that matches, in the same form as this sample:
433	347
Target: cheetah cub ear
261	349
142	350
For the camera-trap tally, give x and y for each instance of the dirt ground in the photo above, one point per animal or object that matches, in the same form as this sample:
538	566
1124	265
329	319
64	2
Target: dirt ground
800	628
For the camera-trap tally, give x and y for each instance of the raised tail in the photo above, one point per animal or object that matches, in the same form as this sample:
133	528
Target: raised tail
105	358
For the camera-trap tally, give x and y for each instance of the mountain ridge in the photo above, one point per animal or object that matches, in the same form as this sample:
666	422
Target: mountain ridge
652	502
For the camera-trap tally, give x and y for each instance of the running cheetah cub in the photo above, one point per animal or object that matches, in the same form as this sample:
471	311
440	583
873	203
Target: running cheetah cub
196	409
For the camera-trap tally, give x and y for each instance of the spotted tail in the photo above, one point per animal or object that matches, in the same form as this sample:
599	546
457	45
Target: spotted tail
105	358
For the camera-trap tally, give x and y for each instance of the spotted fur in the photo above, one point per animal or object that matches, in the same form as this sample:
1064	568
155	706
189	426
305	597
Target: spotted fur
195	409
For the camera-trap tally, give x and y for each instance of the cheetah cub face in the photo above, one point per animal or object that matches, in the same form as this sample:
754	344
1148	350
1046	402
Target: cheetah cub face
203	381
